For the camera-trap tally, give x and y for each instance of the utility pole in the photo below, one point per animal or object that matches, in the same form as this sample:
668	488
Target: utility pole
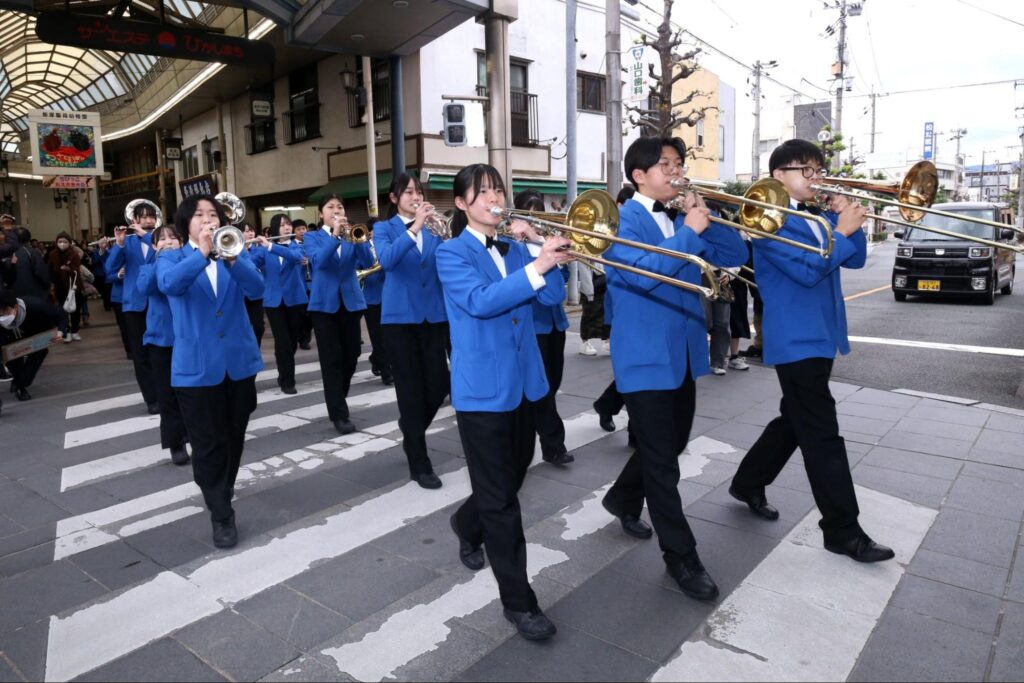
958	161
613	60
873	98
981	192
755	94
854	9
570	100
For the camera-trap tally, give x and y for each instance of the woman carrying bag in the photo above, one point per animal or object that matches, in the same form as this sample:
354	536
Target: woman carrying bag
64	264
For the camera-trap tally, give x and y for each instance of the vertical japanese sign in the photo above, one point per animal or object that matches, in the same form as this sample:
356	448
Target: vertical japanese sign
929	141
637	84
65	142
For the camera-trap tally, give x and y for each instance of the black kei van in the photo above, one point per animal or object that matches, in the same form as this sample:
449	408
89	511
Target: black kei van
931	264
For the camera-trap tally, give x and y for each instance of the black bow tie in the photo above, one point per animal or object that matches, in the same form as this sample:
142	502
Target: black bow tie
815	210
502	247
671	213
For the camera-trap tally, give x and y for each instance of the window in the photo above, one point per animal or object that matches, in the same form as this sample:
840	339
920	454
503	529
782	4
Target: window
190	162
518	75
721	143
590	92
381	83
303	115
700	134
211	152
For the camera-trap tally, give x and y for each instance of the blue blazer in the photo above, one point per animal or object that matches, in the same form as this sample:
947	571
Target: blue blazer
159	327
548	318
804	312
117	290
412	290
284	281
334	274
212	334
130	257
495	359
659	332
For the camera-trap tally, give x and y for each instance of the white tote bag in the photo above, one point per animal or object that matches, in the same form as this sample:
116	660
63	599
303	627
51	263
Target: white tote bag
69	303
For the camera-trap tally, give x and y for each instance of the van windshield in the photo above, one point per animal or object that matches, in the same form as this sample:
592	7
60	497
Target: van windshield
956	225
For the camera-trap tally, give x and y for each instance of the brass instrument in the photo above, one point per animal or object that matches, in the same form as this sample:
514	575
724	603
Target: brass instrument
129	211
438	224
376	267
914	197
228	240
763	210
592	224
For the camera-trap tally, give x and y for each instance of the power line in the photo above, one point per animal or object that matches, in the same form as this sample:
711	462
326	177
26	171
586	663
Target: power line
987	11
874	57
939	87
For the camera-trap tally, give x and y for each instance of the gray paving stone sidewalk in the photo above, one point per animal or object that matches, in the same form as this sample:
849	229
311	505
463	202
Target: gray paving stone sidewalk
400	605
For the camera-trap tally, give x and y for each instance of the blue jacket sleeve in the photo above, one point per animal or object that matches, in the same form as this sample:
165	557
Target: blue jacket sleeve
391	250
114	262
860	255
685	240
364	255
325	253
553	293
258	256
472	292
175	275
287	253
244	272
804	267
146	282
724	247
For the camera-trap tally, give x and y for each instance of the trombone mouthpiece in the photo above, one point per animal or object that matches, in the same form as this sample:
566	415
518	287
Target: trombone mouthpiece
497	211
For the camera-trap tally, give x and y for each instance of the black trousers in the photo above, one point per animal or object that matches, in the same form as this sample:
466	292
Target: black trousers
338	337
172	424
286	324
549	424
808	421
135	328
378	352
610	401
661	423
306	334
420	369
498	449
255	310
23	370
119	317
216	419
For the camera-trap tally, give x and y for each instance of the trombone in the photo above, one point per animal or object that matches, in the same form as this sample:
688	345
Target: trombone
914	197
592	224
763	210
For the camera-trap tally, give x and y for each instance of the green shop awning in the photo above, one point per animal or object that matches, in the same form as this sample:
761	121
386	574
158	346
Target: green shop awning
355	186
444	181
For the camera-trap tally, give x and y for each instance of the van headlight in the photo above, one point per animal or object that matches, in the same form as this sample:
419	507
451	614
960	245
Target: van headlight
980	252
905	251
900	281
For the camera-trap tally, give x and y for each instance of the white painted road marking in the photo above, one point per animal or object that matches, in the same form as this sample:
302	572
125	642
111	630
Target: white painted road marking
941	346
802	599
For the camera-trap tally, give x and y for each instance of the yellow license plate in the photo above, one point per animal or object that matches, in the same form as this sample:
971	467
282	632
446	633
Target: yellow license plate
929	285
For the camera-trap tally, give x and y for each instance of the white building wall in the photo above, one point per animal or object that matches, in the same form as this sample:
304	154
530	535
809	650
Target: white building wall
727	119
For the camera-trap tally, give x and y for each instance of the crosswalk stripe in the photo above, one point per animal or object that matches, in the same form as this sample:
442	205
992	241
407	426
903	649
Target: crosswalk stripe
83	640
801	599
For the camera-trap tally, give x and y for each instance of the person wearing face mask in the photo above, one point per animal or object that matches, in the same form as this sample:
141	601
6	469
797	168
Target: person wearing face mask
21	318
64	263
215	357
254	307
489	286
159	341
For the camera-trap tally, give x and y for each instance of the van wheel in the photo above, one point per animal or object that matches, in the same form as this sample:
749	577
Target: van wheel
900	296
989	297
1008	289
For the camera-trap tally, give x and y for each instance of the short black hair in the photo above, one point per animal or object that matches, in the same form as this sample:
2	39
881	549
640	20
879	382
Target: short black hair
143	209
472	178
299	223
625	194
24	236
275	224
529	200
798	151
187	209
645	153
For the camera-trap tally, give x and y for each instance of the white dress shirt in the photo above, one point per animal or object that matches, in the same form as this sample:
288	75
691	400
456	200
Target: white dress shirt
211	269
415	237
660	217
815	228
536	279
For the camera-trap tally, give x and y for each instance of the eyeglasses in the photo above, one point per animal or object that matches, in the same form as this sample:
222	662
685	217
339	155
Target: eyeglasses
668	168
807	171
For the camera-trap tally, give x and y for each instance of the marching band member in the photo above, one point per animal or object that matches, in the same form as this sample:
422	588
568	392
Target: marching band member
373	292
285	298
805	325
413	320
659	349
299	230
335	304
159	341
489	287
215	357
254	307
130	252
550	324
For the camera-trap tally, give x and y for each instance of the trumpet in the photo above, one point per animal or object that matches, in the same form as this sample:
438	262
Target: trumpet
438	224
592	224
763	210
376	267
228	240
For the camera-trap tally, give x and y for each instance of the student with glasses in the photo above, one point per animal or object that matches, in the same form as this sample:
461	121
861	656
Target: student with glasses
805	326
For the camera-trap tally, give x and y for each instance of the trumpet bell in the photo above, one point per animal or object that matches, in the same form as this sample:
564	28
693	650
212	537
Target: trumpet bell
228	241
919	187
768	191
356	234
594	211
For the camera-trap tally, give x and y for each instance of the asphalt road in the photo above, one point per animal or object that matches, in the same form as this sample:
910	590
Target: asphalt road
983	377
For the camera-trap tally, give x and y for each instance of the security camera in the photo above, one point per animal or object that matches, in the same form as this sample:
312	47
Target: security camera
583	54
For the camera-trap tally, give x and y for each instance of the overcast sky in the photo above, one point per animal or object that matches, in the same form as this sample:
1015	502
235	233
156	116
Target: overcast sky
895	45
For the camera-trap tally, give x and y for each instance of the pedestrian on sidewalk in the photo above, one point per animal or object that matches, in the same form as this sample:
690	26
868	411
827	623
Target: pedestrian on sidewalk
805	318
21	318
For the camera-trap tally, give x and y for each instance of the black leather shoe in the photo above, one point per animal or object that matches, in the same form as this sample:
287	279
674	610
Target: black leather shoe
693	579
427	480
532	625
387	379
179	456
344	426
561	460
21	393
375	371
289	390
631	524
225	535
472	556
605	420
153	408
862	549
758	504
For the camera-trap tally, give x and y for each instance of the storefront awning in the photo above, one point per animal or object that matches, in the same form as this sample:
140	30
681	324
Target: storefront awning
355	186
444	181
